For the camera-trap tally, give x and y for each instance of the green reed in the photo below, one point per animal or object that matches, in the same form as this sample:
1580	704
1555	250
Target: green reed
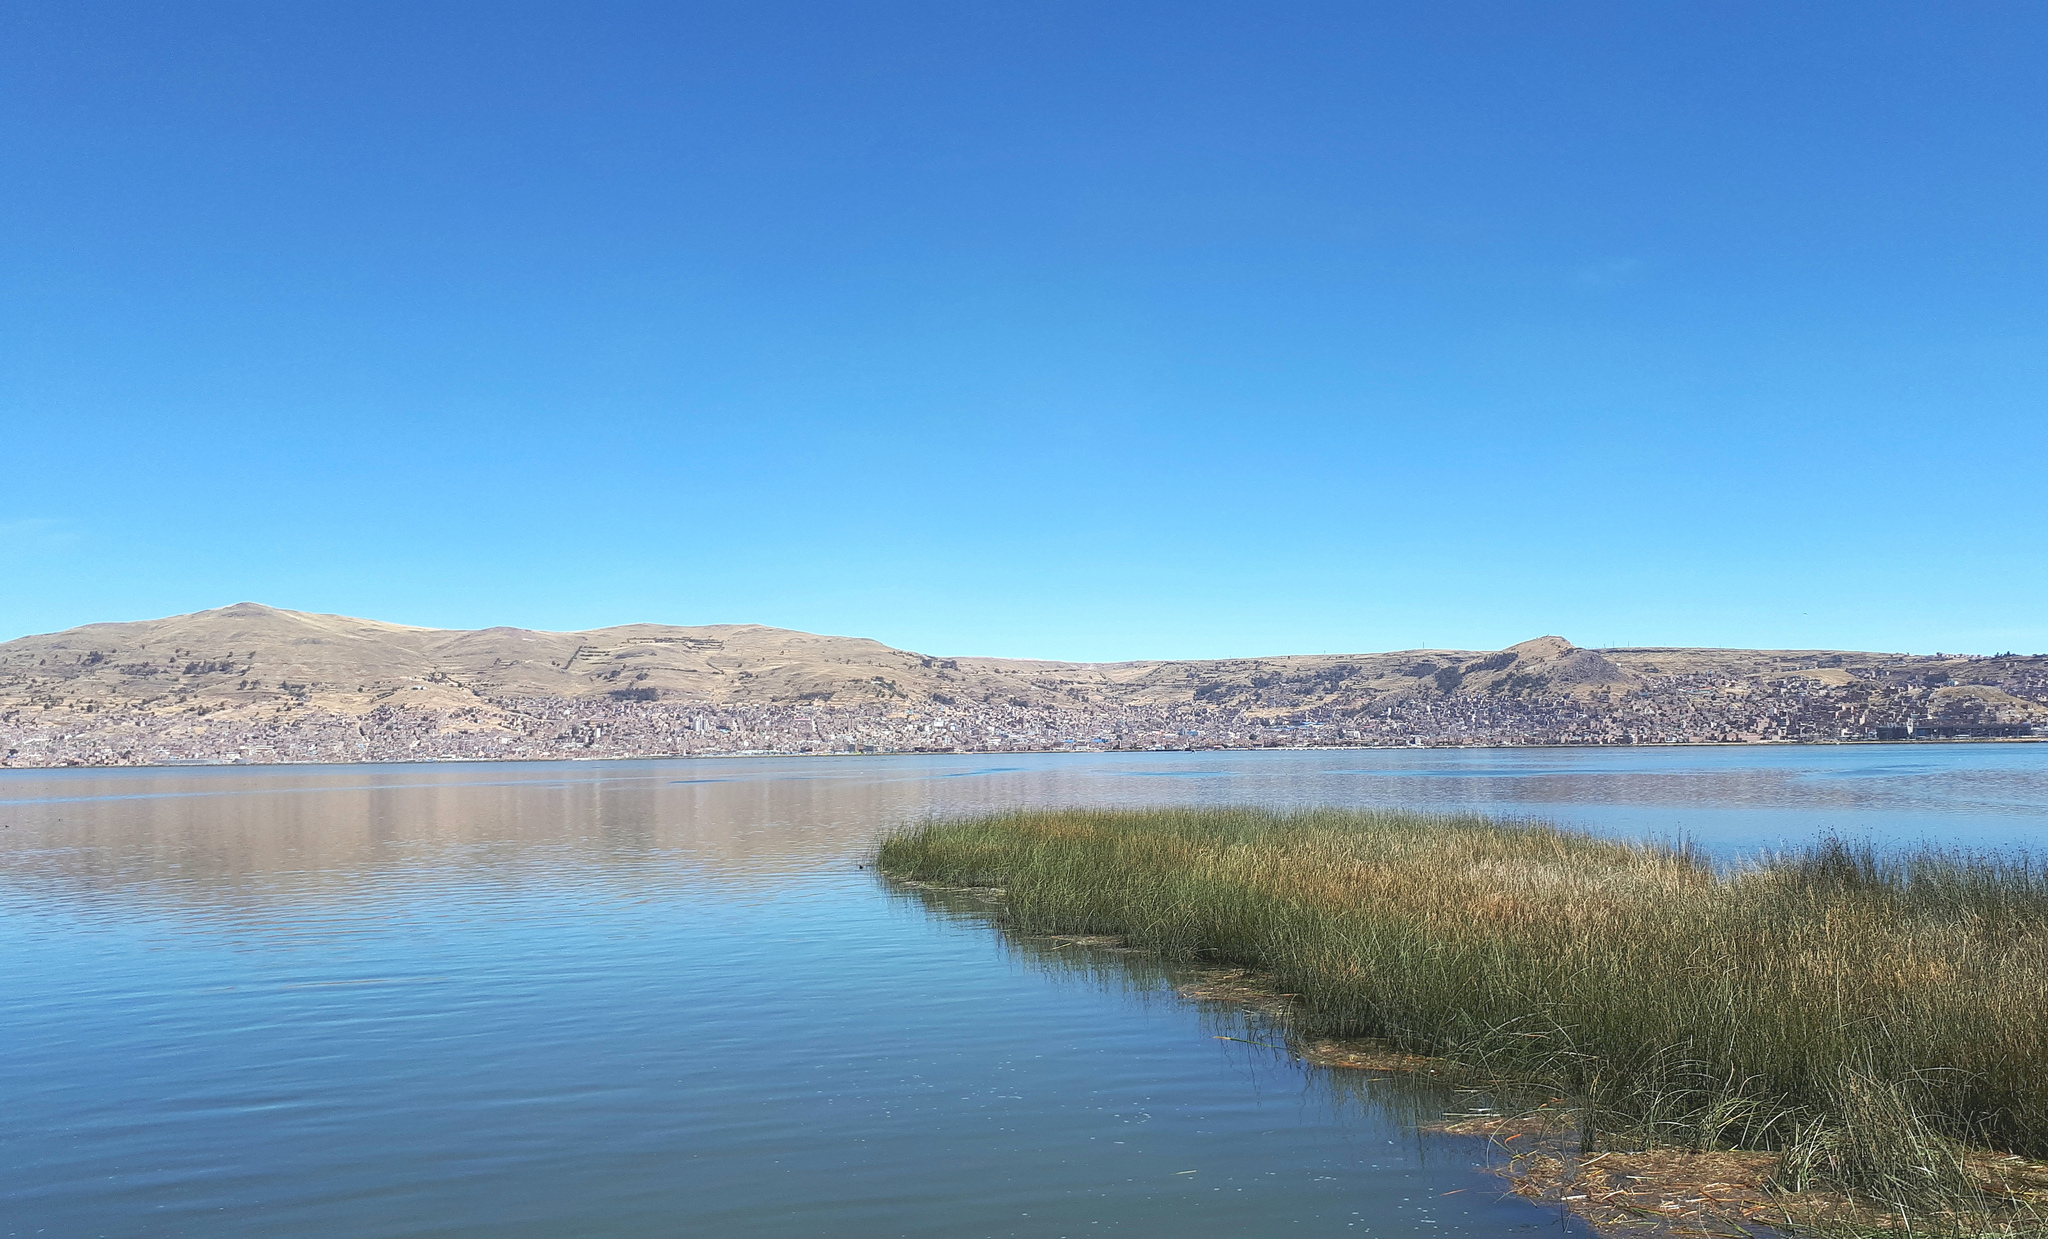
1871	1015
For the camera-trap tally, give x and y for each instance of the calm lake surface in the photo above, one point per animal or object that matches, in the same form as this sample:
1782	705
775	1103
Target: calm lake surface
660	998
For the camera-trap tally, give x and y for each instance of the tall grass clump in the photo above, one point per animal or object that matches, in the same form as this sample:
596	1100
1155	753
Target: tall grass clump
1869	1015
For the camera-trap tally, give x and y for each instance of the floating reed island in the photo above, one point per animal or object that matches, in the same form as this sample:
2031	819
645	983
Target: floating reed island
1877	1022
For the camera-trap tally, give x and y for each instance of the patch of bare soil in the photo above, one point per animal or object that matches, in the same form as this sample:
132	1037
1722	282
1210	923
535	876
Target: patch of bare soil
1240	988
1362	1055
1255	992
1655	1191
1710	1192
1094	942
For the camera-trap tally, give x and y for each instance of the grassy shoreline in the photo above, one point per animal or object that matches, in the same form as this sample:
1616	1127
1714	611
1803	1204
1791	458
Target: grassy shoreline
1866	1019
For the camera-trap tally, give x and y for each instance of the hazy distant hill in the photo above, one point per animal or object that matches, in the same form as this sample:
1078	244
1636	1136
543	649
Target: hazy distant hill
257	683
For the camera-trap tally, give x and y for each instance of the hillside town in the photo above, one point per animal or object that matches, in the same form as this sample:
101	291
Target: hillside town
1891	703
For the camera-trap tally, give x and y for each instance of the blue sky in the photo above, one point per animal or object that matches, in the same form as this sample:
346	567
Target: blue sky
1104	330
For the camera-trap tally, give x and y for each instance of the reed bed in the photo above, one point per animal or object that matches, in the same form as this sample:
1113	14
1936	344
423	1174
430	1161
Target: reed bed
1872	1017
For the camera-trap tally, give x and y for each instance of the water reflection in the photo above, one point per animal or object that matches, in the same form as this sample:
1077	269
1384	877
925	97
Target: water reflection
286	833
657	998
626	1052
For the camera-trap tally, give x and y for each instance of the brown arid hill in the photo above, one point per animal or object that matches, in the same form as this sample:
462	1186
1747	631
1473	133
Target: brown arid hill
252	656
251	682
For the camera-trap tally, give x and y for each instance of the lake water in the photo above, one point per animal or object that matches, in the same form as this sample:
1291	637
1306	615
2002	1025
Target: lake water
660	998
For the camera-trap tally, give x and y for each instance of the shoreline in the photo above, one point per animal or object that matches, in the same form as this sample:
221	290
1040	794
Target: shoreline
1830	1038
1646	1191
6	766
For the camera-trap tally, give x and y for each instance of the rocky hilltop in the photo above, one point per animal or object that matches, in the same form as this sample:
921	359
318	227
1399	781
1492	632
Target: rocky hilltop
255	683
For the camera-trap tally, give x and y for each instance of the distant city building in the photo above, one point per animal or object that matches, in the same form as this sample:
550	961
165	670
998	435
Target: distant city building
1955	731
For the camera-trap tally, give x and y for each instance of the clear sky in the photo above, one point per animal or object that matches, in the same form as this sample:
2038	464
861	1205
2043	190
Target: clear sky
1071	330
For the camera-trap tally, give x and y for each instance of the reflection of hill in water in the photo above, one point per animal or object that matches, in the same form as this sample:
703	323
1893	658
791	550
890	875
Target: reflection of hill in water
284	838
282	834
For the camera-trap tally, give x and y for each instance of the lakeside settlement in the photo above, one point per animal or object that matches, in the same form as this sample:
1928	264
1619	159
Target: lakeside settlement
255	684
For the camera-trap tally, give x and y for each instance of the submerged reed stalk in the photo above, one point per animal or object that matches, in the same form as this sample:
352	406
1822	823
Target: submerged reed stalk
1868	1015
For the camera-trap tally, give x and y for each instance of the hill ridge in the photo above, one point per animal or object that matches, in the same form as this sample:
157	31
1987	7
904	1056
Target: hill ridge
249	681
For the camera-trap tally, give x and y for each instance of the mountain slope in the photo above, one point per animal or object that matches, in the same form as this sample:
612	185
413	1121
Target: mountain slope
251	682
249	655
